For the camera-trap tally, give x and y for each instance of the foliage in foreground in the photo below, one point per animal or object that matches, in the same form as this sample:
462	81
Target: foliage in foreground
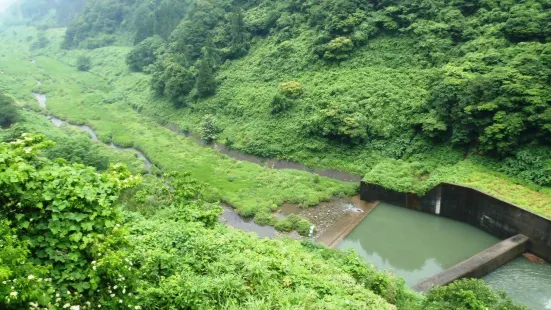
65	216
170	252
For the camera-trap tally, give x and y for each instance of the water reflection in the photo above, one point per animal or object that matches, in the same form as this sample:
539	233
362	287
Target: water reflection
412	244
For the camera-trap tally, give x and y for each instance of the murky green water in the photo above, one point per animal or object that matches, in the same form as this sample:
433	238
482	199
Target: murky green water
525	282
414	245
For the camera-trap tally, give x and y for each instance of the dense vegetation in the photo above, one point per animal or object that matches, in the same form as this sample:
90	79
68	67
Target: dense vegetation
407	93
71	240
8	111
475	76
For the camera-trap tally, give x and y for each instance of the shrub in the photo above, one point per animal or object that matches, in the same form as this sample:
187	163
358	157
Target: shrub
265	219
338	49
468	294
145	53
341	120
68	219
291	89
209	129
280	104
84	63
8	111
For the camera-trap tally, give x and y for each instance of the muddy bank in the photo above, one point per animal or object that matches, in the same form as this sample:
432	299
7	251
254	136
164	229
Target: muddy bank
271	163
332	220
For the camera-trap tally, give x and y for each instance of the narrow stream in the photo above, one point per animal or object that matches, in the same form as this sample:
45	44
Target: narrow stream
271	163
41	98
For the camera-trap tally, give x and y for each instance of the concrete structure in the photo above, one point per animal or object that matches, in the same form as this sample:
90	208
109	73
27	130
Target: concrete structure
479	265
344	226
469	205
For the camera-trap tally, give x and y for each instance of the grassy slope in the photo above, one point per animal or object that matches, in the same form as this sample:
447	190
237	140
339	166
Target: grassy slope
105	105
386	68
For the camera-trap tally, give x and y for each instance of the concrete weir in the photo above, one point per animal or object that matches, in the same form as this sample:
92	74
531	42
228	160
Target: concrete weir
480	264
471	206
338	231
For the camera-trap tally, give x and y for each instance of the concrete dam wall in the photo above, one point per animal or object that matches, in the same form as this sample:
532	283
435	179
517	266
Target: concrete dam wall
497	217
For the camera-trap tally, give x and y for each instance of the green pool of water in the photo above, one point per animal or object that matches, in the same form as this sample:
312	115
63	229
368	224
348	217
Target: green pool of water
525	282
414	245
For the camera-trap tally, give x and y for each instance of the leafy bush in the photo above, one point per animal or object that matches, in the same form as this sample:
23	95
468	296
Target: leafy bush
280	103
338	49
65	214
8	111
265	219
291	89
84	63
78	149
145	53
338	120
23	282
468	294
400	175
531	165
209	128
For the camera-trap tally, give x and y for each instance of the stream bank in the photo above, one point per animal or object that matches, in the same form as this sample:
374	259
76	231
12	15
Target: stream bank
41	98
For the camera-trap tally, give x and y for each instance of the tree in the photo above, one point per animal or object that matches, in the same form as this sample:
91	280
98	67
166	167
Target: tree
338	49
238	34
178	82
206	83
84	63
209	128
338	120
8	111
145	53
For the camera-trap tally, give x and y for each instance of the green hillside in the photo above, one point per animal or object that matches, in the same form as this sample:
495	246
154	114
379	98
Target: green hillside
406	94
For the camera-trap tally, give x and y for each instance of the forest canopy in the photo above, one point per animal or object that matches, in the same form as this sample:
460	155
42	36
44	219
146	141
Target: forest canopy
491	91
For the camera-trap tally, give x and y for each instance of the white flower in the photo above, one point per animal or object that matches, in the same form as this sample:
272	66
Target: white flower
67	305
57	295
94	267
33	304
120	301
13	294
112	295
137	307
93	262
68	292
30	277
75	308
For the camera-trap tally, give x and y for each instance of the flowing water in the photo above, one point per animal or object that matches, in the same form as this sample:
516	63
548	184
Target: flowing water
272	163
41	98
525	282
414	245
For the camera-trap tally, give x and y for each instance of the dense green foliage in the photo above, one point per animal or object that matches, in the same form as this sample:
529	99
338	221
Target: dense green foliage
145	53
491	91
409	93
468	294
65	215
66	246
84	63
8	111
